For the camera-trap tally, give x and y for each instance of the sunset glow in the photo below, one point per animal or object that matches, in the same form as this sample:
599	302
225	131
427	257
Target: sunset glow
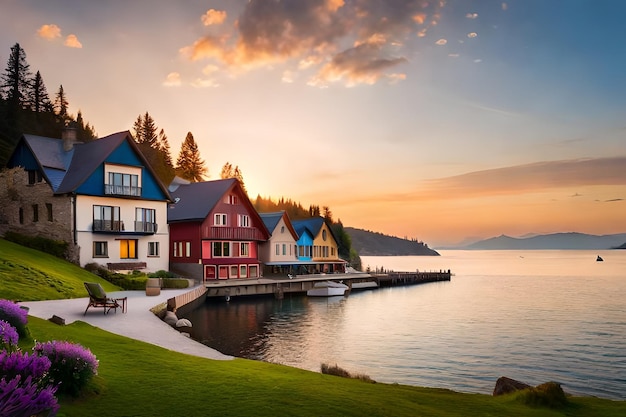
439	121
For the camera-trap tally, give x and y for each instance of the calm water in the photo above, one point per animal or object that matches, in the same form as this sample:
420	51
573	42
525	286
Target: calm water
535	316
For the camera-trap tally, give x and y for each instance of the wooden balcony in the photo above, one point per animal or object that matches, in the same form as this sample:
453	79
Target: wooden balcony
232	233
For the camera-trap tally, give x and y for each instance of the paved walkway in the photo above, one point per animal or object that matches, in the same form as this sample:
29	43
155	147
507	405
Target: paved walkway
137	323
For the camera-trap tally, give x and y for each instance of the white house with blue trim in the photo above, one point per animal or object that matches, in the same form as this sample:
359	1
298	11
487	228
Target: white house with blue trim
102	197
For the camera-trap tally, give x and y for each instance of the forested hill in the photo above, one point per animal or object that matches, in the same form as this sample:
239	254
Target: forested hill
368	243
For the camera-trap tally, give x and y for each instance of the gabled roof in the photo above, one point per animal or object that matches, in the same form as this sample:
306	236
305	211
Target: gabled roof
271	221
194	201
312	225
65	170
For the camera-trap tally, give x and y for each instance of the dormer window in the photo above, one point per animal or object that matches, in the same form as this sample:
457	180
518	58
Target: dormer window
122	180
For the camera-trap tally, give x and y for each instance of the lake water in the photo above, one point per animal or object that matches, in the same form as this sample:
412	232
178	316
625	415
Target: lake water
535	316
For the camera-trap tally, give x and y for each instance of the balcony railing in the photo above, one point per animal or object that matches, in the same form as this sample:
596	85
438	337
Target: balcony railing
108	226
146	227
110	189
232	233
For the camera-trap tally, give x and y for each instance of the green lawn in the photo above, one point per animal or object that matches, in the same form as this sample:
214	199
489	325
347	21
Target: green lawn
29	275
139	379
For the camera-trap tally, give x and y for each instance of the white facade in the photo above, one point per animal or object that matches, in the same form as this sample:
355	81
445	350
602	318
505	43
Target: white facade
124	236
281	247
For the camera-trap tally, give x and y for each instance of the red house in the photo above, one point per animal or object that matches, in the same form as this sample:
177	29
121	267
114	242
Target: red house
214	231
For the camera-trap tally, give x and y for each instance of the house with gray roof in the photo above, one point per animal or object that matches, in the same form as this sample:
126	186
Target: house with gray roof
102	198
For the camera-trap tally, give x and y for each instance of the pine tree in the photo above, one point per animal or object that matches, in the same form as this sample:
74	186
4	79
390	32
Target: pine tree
40	101
16	79
61	104
138	129
164	148
229	172
149	131
189	164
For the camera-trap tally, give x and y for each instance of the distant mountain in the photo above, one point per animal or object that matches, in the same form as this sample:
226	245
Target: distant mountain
368	243
564	241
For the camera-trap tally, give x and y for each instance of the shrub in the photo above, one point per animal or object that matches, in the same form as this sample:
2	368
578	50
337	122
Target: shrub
72	366
24	386
162	274
8	337
175	283
26	398
549	394
14	364
15	315
56	248
338	371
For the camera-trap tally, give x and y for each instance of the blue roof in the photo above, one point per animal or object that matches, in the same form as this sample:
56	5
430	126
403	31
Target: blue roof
271	219
66	171
313	225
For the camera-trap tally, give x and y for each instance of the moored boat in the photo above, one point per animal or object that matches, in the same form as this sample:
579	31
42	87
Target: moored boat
327	289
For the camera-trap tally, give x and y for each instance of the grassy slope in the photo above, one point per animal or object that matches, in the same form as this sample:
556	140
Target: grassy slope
140	379
29	275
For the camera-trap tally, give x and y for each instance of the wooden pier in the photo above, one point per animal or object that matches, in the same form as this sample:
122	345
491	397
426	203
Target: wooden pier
300	284
411	278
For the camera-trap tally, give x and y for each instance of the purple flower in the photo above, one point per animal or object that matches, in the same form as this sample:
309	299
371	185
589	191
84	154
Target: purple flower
72	365
25	397
14	315
13	310
18	363
8	336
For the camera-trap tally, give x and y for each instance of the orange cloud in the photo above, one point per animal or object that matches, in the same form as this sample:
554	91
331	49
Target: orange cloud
49	32
314	36
172	80
72	42
213	17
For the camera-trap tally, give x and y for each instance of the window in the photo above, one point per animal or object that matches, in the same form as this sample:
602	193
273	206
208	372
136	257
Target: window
253	271
100	250
107	218
282	229
35	213
182	249
49	210
233	271
128	249
221	249
21	213
153	249
277	249
244	249
145	220
284	249
34	177
123	184
232	199
219	219
244	220
243	271
324	234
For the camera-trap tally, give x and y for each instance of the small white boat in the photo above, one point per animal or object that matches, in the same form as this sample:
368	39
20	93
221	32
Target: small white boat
327	289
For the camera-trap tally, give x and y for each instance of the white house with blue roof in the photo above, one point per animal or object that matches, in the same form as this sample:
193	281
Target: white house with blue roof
279	254
102	197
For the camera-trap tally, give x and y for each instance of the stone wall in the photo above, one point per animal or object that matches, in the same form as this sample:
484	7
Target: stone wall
33	210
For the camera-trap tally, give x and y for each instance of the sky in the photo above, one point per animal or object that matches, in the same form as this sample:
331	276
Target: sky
442	121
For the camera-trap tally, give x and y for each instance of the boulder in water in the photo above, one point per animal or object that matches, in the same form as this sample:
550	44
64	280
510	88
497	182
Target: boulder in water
506	385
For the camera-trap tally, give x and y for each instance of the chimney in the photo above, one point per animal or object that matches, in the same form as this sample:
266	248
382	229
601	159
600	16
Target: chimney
69	138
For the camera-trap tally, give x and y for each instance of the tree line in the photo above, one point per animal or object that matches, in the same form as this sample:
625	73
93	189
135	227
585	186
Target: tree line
26	108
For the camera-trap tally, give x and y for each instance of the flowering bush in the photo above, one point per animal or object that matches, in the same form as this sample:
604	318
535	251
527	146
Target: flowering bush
72	365
8	336
15	315
24	387
26	398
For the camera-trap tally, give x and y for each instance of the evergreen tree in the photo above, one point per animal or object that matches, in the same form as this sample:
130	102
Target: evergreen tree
61	104
229	172
189	164
149	132
40	101
16	79
138	129
164	147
